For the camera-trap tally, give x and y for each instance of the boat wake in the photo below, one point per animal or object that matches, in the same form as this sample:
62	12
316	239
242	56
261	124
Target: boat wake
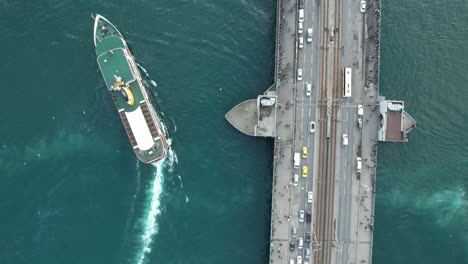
149	224
152	82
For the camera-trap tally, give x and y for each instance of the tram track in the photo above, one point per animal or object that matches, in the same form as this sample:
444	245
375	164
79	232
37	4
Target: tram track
325	225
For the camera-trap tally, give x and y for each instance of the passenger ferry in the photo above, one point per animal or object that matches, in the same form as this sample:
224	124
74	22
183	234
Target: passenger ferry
124	82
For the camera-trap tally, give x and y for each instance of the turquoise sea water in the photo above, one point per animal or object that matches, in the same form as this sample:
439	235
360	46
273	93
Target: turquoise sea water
71	190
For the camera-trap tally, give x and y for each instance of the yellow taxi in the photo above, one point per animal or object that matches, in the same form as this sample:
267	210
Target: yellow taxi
304	171
304	152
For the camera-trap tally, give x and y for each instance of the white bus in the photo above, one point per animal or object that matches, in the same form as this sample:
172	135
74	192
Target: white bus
347	82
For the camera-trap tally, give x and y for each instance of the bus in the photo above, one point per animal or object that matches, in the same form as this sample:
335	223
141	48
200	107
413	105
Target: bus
347	82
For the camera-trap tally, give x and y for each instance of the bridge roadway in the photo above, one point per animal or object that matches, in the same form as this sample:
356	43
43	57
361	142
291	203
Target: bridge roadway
343	201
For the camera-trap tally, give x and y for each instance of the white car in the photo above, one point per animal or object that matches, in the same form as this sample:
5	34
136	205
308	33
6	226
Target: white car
345	139
360	110
312	127
308	89
301	216
309	35
299	74
301	42
296	180
309	196
300	28
363	6
299	259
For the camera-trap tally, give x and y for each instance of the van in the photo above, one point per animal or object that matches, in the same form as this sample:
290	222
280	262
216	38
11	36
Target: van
297	160
360	110
345	139
359	164
301	3
301	15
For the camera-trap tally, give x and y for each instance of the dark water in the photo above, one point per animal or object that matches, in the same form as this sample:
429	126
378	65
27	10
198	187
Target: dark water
71	190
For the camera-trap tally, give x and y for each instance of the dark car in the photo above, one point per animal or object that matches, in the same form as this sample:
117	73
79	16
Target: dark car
308	217
307	237
292	246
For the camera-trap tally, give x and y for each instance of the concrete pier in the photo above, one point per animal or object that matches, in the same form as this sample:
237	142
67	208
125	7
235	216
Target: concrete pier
305	112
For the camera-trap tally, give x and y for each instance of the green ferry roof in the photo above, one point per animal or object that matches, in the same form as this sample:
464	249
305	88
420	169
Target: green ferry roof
112	59
109	43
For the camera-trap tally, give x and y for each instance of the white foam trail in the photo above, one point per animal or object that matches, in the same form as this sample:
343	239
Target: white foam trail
137	185
173	123
151	226
164	128
181	183
171	158
143	69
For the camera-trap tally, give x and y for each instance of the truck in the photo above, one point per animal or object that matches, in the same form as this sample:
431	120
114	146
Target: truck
359	165
297	160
